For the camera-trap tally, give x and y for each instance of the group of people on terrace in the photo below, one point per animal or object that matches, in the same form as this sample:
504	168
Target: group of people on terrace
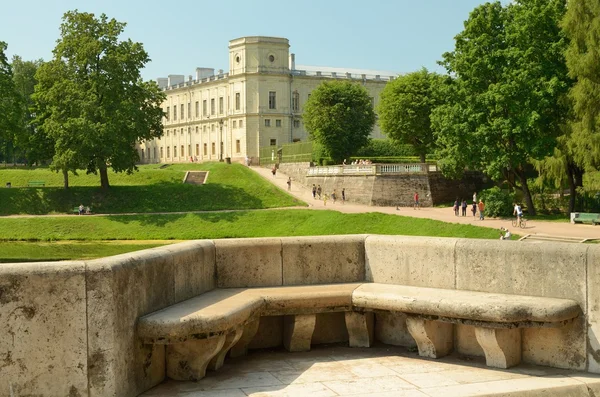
317	191
359	162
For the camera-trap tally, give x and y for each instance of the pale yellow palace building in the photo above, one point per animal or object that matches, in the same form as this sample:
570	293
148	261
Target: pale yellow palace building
258	103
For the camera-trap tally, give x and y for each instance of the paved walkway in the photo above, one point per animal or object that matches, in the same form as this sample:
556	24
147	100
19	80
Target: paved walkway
442	214
381	371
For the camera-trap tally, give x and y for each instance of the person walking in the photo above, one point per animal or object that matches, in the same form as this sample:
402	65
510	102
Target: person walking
333	196
481	206
343	195
475	197
456	207
463	206
289	183
314	191
319	191
325	198
274	171
474	209
416	198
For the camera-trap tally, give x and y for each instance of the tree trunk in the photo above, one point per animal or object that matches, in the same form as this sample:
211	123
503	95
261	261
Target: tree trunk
422	157
65	178
526	192
104	177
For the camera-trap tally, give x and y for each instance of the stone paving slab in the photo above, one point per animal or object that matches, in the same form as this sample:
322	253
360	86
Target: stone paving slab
381	371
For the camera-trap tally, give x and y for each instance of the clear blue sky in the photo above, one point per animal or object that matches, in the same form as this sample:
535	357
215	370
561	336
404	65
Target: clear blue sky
392	35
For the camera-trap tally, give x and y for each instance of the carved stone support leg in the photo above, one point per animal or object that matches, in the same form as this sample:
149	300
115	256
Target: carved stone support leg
231	339
434	338
360	328
298	331
188	360
502	347
241	347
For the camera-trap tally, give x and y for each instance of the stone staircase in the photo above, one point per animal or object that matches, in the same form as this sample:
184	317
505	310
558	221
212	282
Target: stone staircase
535	238
196	177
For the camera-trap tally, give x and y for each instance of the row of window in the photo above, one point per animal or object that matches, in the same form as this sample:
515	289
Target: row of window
205	109
278	123
204	128
145	154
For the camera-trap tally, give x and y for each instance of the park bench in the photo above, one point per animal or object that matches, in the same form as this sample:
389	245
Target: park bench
199	332
36	183
583	217
86	211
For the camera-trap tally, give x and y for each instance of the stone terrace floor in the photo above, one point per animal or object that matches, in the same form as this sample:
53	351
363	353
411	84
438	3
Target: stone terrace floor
381	371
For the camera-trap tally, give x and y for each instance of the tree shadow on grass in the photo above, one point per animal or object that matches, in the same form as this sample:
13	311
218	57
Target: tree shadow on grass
160	197
161	220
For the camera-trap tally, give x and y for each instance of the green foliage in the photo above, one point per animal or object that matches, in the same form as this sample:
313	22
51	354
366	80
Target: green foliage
506	101
385	148
10	108
91	99
582	25
498	202
339	116
236	224
229	187
405	108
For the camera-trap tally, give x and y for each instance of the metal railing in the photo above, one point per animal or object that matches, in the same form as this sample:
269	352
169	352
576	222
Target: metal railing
372	169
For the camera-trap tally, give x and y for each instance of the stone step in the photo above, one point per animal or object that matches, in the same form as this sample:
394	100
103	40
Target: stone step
196	177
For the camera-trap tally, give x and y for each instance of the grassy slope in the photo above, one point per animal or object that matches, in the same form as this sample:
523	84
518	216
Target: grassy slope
229	224
54	251
149	190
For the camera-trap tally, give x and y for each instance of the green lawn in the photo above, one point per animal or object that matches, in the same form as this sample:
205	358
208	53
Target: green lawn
228	225
149	190
19	251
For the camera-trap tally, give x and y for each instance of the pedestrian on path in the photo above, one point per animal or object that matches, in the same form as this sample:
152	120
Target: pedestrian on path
289	183
274	171
325	198
455	208
314	191
416	197
463	206
319	191
481	206
474	209
343	195
333	196
475	197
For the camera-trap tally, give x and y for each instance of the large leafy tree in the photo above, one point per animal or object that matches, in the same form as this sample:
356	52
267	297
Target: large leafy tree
506	102
582	25
405	108
91	99
10	107
339	116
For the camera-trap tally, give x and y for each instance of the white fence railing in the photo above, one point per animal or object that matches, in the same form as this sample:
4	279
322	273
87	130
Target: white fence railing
372	169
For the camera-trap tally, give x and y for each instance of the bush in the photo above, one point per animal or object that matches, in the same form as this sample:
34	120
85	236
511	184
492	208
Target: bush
385	148
498	202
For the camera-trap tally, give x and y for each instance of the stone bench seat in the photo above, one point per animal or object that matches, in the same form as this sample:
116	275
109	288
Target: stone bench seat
199	332
498	318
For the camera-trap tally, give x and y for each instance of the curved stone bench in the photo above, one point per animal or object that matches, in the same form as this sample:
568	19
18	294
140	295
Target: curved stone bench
497	318
199	332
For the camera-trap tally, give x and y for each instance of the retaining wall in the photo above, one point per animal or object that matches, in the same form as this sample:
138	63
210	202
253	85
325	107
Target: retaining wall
68	328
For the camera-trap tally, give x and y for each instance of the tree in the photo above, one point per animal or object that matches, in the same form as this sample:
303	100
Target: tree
91	99
35	145
507	101
582	25
405	108
339	115
9	106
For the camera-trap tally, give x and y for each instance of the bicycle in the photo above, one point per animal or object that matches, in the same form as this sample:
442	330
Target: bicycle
522	224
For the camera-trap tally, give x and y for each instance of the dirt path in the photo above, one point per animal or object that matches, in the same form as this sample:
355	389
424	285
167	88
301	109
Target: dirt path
557	229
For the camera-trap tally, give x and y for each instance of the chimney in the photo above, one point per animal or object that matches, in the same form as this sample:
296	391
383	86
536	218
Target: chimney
292	61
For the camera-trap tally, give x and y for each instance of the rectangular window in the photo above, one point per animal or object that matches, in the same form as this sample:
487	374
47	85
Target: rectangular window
189	109
167	112
161	152
168	151
154	152
212	107
241	123
189	150
272	100
205	149
277	123
273	142
267	122
213	148
204	108
168	132
196	130
182	152
237	146
182	131
295	101
212	127
296	123
234	124
237	101
197	108
220	105
174	151
174	113
197	149
182	114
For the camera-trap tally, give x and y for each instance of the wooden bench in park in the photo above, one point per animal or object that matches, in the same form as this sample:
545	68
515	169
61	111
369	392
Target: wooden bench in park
36	184
583	217
199	332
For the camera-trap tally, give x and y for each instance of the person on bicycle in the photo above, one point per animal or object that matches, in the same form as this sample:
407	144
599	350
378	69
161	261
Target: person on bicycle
519	213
